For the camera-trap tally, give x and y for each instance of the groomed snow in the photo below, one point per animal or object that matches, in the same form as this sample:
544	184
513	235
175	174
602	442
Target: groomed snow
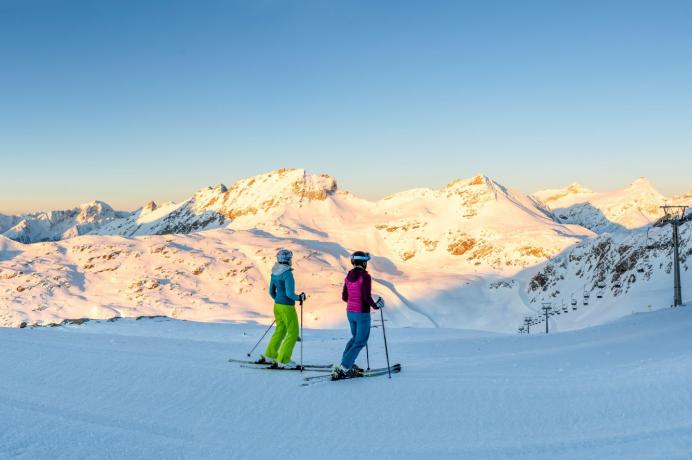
163	388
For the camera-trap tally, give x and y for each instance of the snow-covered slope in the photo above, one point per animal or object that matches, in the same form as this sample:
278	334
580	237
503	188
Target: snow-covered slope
58	225
222	275
633	207
163	389
217	275
613	275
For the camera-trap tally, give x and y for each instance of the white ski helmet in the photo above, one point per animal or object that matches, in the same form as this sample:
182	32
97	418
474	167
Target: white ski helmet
284	256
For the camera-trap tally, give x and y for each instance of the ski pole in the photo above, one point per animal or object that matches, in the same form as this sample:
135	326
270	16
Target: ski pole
367	355
386	352
260	340
301	335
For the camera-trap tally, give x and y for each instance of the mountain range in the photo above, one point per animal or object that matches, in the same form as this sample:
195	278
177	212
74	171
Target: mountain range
473	254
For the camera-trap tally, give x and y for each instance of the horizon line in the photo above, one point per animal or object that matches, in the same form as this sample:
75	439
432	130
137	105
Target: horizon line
305	171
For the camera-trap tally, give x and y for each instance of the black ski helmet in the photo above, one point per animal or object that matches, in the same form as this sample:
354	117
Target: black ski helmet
360	259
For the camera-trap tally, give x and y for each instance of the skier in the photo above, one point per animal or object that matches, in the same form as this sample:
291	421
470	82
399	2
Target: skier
357	293
282	290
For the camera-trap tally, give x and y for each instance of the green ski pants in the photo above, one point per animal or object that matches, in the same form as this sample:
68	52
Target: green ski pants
286	332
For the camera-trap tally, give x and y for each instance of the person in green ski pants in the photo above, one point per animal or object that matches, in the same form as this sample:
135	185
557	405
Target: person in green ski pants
282	290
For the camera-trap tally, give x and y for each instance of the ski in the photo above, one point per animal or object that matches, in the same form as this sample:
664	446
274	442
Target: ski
246	363
368	373
276	368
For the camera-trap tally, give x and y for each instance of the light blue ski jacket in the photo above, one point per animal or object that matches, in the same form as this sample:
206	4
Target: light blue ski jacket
282	285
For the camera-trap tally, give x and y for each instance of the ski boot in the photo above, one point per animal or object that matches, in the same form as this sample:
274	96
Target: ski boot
356	371
288	365
264	360
339	372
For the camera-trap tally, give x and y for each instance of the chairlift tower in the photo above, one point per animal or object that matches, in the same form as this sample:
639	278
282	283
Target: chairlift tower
527	321
546	309
674	215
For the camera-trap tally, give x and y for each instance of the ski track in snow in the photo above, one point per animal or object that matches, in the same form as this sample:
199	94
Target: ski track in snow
163	388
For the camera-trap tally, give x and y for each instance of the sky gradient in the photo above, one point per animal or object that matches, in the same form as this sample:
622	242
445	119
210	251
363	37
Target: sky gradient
134	100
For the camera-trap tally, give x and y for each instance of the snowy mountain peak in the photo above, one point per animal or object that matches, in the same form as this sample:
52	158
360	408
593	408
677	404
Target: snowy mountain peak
475	181
641	182
89	212
95	204
84	213
286	182
636	205
642	187
314	187
220	188
150	206
576	187
479	188
55	225
264	192
551	196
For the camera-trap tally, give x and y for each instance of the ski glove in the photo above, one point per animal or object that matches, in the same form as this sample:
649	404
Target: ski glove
380	303
302	296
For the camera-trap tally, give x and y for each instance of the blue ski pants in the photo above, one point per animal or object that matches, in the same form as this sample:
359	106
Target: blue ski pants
360	331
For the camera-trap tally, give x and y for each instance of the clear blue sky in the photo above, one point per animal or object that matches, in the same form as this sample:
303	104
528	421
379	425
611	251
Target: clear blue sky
125	101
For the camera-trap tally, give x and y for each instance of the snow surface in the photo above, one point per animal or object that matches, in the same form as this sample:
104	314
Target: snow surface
163	388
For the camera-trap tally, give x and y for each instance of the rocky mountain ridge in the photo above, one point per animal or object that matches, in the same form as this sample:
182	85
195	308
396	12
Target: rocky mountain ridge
58	225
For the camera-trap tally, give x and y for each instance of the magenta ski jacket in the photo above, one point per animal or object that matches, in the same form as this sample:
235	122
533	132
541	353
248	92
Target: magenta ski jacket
357	292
